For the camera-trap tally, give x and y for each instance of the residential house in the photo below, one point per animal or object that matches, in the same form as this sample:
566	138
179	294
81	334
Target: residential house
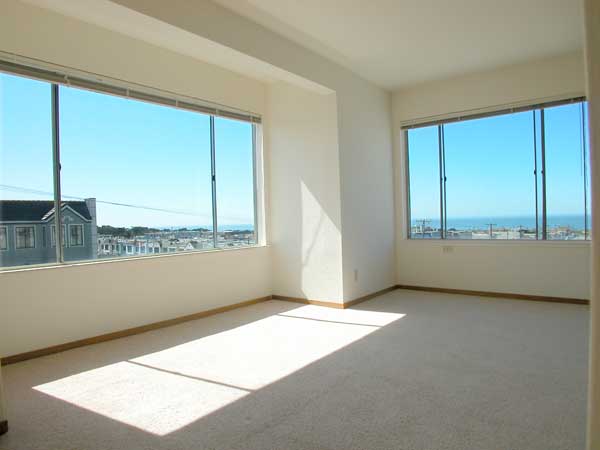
27	233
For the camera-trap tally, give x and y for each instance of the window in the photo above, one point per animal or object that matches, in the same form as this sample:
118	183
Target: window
514	176
489	178
3	238
25	237
53	236
203	199
26	170
567	188
424	182
235	183
76	235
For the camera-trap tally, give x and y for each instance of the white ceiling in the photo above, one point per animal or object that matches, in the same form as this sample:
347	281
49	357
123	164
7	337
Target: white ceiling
395	43
111	16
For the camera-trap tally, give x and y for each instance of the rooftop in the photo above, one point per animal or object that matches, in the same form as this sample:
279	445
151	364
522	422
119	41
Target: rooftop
37	210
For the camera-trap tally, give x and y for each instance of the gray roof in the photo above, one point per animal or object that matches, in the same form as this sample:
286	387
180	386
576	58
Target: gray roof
36	210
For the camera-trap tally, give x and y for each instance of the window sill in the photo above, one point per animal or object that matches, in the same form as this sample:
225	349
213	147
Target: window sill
495	242
66	265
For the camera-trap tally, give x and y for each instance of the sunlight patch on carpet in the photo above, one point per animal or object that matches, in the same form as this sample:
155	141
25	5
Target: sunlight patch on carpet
165	391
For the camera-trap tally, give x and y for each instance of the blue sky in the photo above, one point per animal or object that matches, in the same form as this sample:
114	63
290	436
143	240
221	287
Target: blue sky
125	151
490	166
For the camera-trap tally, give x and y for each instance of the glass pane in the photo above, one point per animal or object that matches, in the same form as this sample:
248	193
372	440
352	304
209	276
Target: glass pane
588	186
565	168
235	183
424	183
135	175
26	178
75	235
490	188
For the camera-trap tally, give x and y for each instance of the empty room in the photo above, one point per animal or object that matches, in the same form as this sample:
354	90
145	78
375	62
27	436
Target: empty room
311	225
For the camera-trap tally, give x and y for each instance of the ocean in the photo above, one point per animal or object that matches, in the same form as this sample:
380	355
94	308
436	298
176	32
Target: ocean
575	222
226	227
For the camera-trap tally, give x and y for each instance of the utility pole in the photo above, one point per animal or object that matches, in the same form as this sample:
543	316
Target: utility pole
491	228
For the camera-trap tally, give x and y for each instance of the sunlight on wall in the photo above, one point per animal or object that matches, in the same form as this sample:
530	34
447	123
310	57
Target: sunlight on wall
164	391
321	251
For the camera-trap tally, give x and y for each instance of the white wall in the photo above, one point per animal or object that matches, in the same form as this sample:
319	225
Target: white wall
305	205
40	34
551	78
366	172
558	269
45	307
592	59
2	405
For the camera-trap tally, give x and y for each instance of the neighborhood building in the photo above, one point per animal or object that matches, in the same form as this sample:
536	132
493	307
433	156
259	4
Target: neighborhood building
27	231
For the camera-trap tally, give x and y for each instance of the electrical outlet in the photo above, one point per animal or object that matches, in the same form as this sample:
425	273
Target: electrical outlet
355	274
447	249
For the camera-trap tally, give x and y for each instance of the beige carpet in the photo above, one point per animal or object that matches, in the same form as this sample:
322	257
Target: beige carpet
408	370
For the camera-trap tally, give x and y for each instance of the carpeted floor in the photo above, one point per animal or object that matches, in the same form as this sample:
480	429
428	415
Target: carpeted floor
407	370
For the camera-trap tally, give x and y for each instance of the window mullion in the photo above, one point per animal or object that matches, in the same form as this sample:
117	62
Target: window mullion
407	184
442	167
214	179
254	182
585	171
543	145
535	176
58	238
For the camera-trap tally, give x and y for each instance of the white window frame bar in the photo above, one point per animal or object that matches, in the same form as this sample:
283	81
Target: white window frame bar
58	237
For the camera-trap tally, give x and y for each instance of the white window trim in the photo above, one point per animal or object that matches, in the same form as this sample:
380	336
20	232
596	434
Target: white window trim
5	228
82	235
17	240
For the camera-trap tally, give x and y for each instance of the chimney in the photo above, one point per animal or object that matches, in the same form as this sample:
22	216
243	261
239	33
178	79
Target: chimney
91	206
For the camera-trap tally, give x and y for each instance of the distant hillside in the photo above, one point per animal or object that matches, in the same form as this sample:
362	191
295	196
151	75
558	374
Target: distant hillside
125	232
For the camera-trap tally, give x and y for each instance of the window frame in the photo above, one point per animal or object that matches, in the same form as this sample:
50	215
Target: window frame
541	235
17	227
57	76
6	248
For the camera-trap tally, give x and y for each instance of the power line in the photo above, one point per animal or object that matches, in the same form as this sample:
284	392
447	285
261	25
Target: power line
106	202
9	187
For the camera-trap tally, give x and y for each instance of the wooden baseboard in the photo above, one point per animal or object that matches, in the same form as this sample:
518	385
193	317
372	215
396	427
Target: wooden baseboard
306	301
364	298
535	298
336	305
3	426
128	332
